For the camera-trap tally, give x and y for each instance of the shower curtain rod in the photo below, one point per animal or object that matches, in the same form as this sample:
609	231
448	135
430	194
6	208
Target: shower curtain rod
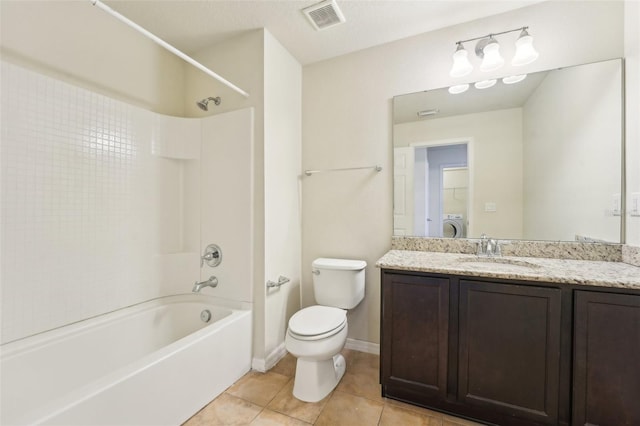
167	46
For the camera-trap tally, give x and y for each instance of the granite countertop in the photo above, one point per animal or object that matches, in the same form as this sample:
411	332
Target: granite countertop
566	271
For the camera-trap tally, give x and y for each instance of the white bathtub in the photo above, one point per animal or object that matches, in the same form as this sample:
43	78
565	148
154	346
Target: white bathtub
155	363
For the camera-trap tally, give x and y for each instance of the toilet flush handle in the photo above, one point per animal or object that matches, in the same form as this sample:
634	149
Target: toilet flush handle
315	272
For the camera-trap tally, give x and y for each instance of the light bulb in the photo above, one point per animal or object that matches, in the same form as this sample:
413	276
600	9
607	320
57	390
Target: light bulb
485	84
491	60
525	53
514	79
461	65
458	88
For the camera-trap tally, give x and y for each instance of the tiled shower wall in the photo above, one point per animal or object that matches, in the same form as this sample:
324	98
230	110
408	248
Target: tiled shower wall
93	204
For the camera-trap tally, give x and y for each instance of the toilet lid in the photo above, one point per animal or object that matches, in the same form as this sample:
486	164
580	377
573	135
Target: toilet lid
316	320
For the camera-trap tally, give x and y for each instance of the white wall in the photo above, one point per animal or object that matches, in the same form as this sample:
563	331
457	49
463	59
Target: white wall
632	81
346	121
226	202
76	42
241	61
582	130
282	146
495	162
257	63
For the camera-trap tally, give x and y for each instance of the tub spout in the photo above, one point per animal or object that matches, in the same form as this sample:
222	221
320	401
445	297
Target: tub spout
211	282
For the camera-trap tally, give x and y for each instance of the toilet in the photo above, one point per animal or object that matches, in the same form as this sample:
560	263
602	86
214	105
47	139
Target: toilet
317	334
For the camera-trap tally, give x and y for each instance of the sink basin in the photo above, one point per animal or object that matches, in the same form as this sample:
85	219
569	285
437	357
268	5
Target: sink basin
498	264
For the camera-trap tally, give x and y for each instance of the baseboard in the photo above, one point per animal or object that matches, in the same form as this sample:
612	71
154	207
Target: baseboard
265	364
362	346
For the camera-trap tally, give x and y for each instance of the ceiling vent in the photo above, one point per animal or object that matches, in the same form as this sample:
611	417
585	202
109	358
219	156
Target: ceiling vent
324	14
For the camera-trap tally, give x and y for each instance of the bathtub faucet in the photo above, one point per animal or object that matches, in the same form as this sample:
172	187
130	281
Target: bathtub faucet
211	282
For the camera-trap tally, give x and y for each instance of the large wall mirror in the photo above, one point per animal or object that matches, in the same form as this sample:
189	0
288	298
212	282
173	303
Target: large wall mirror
540	159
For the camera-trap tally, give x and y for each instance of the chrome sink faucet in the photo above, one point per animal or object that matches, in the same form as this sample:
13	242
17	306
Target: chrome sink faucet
211	282
488	247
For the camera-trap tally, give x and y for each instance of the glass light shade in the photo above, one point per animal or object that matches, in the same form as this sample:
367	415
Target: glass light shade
461	65
514	79
525	53
458	88
492	59
485	84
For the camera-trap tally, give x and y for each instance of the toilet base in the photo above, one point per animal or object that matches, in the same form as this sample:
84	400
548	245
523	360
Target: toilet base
316	379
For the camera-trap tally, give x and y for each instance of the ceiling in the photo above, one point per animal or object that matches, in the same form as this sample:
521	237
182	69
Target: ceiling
192	25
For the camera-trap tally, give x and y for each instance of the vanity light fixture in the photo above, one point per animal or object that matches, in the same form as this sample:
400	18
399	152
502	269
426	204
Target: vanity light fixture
458	88
488	49
512	79
485	84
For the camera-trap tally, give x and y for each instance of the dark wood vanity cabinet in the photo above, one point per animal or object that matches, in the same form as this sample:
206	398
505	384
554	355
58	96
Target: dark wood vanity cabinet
511	352
415	318
606	360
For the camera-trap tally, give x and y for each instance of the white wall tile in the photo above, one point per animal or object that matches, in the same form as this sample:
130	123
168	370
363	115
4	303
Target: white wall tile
87	210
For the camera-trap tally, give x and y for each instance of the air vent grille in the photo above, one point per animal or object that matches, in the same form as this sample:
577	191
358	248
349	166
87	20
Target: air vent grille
324	14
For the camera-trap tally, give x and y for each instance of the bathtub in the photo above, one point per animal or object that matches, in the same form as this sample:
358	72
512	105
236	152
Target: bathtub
155	363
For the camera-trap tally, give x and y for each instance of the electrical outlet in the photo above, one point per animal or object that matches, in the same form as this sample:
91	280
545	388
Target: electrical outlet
490	207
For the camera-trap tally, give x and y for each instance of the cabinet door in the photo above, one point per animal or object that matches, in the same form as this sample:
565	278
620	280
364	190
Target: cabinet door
509	358
415	317
606	363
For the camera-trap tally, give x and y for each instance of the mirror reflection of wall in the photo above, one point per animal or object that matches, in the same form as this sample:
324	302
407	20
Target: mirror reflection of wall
544	164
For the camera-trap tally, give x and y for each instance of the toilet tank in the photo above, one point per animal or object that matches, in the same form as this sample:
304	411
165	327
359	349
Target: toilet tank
338	282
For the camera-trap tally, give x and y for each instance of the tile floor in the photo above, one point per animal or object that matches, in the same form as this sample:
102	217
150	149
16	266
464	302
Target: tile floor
266	399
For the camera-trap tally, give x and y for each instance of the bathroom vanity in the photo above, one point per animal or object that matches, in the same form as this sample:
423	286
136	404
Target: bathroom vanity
512	340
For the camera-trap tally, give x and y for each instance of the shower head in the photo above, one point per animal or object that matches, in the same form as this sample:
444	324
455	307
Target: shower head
204	104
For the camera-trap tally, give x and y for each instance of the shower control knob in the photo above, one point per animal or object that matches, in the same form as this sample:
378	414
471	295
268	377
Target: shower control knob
212	255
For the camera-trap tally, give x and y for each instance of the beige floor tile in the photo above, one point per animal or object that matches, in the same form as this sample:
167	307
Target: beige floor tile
362	377
271	418
362	362
348	355
225	410
285	403
344	409
447	420
393	415
286	366
455	421
363	384
258	388
415	408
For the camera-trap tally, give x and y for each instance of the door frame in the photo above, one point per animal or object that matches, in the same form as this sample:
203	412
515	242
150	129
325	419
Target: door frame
470	142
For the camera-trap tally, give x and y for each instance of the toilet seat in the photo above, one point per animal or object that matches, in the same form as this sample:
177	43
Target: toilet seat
317	322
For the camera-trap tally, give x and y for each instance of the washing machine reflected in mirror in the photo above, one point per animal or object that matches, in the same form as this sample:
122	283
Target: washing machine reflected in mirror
453	226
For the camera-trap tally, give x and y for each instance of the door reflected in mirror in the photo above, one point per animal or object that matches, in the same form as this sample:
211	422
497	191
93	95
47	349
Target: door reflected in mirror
542	158
430	190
